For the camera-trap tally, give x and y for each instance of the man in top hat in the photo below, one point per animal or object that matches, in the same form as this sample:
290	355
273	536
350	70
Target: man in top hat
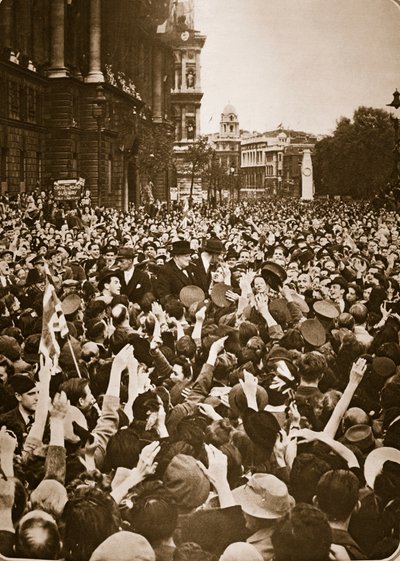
134	282
210	254
177	273
21	418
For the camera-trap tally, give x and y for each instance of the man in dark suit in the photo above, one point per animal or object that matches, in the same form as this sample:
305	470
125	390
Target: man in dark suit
134	282
210	255
176	273
21	418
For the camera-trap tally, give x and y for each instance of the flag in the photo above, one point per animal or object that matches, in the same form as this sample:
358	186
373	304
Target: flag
54	323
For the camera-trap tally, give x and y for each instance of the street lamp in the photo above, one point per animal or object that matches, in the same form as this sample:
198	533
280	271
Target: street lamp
98	113
396	150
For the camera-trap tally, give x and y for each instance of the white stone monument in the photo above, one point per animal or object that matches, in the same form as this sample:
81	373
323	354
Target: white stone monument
307	183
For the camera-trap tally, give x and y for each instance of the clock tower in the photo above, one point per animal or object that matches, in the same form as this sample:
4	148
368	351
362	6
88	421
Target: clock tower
186	94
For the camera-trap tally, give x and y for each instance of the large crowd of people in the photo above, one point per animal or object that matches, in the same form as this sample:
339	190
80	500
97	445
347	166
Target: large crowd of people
228	388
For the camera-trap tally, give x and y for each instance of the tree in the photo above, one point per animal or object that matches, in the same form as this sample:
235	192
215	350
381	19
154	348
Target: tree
155	149
216	176
357	159
198	156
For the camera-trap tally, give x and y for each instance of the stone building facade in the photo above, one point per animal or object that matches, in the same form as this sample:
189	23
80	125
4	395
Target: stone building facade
85	92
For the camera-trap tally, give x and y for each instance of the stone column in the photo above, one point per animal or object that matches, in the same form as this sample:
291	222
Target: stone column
307	184
197	121
95	74
57	21
157	85
198	72
6	23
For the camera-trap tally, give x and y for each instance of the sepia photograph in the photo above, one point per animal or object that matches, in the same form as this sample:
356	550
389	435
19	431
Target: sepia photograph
199	280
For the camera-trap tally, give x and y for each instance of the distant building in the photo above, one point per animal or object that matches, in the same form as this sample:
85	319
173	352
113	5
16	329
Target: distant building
271	162
226	144
186	93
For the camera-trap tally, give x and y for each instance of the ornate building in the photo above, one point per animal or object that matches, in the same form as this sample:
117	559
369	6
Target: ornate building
226	144
85	92
186	44
271	162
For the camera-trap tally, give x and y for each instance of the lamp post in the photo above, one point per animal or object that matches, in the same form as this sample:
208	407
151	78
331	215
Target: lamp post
98	113
395	180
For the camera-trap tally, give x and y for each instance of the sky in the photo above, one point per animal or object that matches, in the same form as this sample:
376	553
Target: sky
299	63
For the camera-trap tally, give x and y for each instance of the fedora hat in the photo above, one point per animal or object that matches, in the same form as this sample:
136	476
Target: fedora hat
213	245
340	281
126	253
264	496
273	274
360	436
180	247
313	332
105	275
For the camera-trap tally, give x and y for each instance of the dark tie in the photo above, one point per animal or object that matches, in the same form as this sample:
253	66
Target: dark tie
30	422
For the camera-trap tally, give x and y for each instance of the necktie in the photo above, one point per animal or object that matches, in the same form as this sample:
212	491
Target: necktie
29	424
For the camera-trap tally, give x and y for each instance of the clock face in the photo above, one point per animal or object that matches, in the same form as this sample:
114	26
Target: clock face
306	171
185	35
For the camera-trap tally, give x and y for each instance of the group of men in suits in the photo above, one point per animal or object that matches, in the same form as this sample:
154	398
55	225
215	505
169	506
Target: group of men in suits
181	271
167	280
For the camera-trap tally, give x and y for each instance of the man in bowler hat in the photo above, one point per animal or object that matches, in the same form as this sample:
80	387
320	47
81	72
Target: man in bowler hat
210	254
177	273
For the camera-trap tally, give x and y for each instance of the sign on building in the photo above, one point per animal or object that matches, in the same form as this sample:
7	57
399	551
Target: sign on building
68	189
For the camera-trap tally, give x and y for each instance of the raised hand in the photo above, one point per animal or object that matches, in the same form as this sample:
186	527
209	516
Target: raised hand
249	386
59	407
261	301
358	370
158	311
218	345
201	314
146	464
217	465
8	442
122	359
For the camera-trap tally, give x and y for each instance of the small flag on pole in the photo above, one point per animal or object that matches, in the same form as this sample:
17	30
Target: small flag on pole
54	323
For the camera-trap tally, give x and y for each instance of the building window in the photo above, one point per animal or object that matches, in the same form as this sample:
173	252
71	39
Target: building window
22	103
31	104
22	163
